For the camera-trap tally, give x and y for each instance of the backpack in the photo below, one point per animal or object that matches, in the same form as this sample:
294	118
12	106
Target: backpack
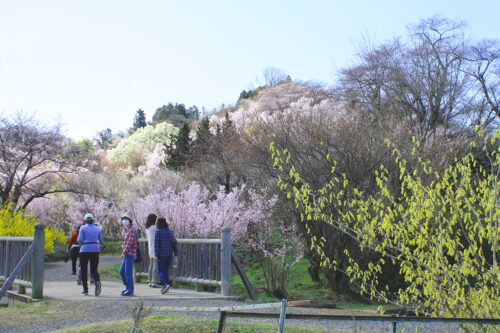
138	257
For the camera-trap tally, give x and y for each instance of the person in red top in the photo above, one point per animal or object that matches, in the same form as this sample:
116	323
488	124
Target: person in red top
74	250
128	256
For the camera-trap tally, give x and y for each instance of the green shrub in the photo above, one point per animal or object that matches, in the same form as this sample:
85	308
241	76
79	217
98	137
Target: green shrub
58	253
111	248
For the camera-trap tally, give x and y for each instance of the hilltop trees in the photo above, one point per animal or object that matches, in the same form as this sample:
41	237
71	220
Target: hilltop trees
175	114
139	120
274	76
434	79
484	59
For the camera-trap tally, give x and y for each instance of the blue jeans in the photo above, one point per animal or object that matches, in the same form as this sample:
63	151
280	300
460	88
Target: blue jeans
127	273
163	265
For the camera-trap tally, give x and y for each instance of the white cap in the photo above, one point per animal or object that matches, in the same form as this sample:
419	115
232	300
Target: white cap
88	216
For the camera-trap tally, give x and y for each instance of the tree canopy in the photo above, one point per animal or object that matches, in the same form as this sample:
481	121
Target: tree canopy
35	160
440	228
175	114
139	120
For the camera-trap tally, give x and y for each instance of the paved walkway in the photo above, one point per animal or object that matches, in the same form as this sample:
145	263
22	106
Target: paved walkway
70	291
59	284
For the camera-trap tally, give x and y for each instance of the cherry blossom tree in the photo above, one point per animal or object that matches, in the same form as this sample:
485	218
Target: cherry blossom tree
277	247
35	160
192	213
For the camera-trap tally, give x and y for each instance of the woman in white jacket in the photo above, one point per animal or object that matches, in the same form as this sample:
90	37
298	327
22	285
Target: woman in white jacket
153	276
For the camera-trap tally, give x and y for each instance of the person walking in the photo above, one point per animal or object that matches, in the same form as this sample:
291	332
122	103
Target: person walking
90	238
128	256
153	277
165	245
74	250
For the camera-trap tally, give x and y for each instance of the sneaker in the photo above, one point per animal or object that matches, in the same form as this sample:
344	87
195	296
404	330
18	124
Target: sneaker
85	293
78	282
92	281
165	289
127	293
73	273
98	288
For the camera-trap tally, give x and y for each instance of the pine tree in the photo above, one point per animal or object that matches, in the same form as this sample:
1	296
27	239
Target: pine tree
139	120
201	144
178	152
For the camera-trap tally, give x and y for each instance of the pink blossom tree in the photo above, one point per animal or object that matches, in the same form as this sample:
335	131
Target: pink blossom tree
106	213
278	248
191	213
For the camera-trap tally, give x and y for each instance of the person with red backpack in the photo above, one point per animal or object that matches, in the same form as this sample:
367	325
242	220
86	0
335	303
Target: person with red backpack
74	250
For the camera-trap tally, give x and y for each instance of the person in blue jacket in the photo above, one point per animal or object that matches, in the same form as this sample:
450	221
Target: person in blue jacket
165	245
90	238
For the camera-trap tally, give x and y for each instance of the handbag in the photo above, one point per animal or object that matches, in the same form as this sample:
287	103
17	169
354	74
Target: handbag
66	257
138	258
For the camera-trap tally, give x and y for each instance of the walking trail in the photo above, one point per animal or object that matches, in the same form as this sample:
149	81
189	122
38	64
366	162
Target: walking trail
59	284
69	308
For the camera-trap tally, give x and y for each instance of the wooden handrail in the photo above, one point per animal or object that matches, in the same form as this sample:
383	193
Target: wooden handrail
20	265
190	241
17	239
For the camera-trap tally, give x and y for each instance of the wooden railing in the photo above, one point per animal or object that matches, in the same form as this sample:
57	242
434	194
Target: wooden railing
22	262
12	249
202	261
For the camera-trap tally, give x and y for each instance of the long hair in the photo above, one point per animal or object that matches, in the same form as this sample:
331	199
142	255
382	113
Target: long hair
161	223
150	220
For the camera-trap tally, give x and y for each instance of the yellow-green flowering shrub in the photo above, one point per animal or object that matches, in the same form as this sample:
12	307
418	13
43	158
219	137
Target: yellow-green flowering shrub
131	152
441	228
18	224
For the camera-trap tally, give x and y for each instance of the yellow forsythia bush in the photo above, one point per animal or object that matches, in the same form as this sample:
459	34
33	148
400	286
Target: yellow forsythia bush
18	224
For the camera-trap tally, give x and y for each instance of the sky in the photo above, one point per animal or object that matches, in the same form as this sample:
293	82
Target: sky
92	64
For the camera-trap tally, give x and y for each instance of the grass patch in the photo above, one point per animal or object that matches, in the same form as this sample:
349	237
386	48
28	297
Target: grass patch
299	286
110	273
181	324
111	248
40	312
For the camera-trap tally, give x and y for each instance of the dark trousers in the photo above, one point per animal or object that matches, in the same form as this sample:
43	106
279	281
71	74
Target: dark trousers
74	252
85	257
163	265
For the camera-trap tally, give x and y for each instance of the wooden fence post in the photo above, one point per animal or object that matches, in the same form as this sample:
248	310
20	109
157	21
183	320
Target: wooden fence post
38	262
226	261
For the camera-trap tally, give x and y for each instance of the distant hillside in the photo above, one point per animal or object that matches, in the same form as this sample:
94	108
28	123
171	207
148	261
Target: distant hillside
285	99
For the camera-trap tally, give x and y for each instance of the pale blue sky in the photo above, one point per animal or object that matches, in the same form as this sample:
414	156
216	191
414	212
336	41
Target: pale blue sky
93	64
